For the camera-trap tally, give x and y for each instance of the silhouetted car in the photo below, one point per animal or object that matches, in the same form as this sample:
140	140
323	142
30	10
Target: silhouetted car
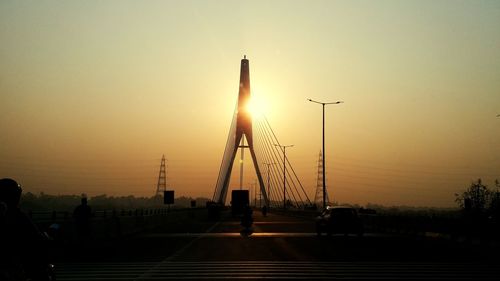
344	220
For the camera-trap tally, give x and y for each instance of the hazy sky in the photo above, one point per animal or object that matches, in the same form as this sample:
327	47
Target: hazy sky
92	93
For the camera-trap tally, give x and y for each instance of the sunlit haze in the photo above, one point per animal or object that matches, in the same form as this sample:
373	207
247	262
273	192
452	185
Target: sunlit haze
93	93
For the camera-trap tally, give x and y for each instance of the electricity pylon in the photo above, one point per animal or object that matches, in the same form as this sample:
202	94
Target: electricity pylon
162	178
318	197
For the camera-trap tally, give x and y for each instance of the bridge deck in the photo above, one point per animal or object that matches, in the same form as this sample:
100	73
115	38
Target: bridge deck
280	248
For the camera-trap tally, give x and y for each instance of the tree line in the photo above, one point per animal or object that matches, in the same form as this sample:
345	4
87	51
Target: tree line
480	201
477	200
47	202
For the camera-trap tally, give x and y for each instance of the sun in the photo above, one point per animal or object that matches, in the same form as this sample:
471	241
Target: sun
256	107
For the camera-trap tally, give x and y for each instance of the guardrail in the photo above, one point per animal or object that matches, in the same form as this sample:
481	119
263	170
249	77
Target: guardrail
455	227
57	216
110	224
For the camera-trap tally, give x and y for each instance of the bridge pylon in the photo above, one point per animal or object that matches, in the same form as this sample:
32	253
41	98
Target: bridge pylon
241	127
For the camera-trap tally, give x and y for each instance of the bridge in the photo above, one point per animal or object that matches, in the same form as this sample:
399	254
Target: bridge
283	185
190	245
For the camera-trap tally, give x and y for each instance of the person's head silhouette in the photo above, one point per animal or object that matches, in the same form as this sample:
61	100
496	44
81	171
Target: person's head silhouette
10	192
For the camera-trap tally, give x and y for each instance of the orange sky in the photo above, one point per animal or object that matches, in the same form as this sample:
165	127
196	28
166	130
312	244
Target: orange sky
93	93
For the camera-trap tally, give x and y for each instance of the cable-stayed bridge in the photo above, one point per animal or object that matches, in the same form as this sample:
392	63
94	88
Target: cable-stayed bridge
191	245
283	187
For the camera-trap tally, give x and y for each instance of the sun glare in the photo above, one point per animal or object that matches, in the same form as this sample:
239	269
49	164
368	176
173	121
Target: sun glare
257	107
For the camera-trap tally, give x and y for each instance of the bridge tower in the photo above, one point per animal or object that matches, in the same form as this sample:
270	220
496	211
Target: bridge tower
318	197
241	128
162	178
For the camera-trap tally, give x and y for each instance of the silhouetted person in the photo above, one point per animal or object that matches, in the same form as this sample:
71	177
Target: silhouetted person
264	210
3	213
24	253
82	216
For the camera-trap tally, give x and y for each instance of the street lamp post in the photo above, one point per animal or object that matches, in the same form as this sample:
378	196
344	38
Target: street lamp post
284	172
324	152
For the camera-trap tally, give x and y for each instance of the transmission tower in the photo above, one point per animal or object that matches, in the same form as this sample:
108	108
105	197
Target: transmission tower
162	178
318	197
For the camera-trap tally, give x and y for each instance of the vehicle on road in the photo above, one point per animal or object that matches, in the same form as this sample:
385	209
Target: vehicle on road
239	201
339	219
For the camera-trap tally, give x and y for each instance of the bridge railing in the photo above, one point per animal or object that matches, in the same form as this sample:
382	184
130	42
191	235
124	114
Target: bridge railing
110	224
58	216
451	225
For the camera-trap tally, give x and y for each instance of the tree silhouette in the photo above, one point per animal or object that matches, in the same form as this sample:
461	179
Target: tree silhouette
476	199
495	202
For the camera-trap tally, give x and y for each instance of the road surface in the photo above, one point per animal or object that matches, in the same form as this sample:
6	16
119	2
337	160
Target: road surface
280	247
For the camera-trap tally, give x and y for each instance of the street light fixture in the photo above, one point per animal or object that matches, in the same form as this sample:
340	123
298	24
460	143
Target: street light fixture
284	172
324	152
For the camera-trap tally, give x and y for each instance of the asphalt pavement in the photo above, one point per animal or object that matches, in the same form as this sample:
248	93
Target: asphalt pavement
279	247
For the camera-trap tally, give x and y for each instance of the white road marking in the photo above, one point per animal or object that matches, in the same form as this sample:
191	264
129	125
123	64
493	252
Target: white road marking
275	270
